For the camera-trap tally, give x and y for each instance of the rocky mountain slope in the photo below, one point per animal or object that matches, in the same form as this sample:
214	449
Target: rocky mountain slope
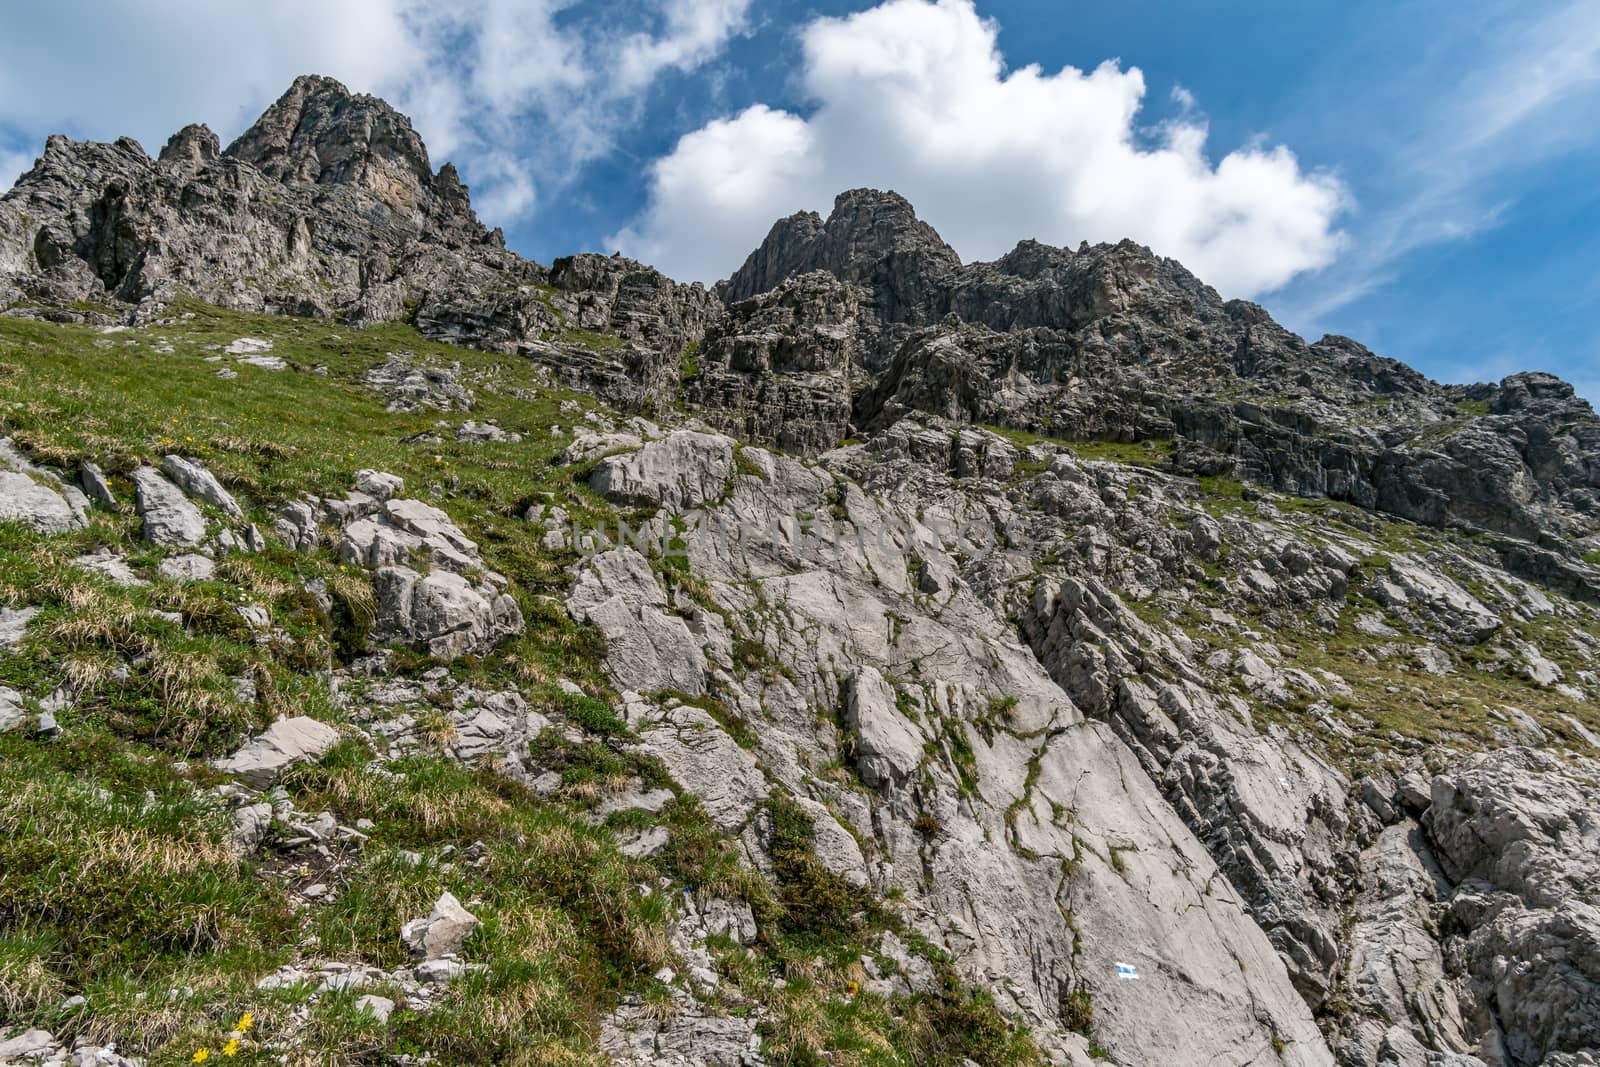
417	654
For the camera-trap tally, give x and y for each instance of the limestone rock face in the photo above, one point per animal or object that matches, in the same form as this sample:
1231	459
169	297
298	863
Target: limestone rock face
649	649
454	606
1519	833
967	822
778	367
328	206
1115	342
887	745
1397	968
193	478
194	143
38	497
873	239
442	613
318	133
35	505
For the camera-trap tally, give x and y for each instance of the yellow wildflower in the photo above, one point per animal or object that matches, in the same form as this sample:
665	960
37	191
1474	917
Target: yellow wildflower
246	1021
200	1055
852	988
231	1049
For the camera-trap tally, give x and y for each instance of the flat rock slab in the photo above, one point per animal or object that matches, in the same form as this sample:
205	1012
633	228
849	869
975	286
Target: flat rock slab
286	743
188	568
35	505
110	564
14	625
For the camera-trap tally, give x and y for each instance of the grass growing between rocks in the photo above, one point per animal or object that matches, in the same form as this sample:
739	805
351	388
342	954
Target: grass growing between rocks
119	883
1392	705
1148	453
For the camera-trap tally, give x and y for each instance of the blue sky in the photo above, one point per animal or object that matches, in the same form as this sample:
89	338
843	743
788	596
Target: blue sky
1418	175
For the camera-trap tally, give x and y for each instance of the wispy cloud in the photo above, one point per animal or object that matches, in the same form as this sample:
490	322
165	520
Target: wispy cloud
531	91
1509	94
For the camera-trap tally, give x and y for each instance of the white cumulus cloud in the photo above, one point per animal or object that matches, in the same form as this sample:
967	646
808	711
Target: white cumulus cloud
914	95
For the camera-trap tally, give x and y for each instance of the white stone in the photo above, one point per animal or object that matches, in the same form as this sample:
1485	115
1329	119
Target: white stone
36	505
187	568
443	932
287	742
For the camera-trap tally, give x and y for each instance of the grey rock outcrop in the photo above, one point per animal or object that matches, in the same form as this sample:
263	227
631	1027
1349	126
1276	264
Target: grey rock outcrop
958	822
1518	831
442	932
24	500
649	649
192	477
442	613
38	497
329	206
169	518
286	742
681	471
1115	342
778	367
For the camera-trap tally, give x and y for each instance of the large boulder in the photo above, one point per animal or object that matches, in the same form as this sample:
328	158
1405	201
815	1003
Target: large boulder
681	471
36	505
169	517
442	613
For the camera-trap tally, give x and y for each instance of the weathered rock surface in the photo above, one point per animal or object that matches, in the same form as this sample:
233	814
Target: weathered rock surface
778	367
1114	342
1518	831
169	518
286	743
442	932
955	820
455	607
442	613
192	477
681	471
24	500
648	649
1080	724
37	497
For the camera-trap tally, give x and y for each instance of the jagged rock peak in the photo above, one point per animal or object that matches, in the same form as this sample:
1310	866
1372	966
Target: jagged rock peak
872	238
320	132
195	143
